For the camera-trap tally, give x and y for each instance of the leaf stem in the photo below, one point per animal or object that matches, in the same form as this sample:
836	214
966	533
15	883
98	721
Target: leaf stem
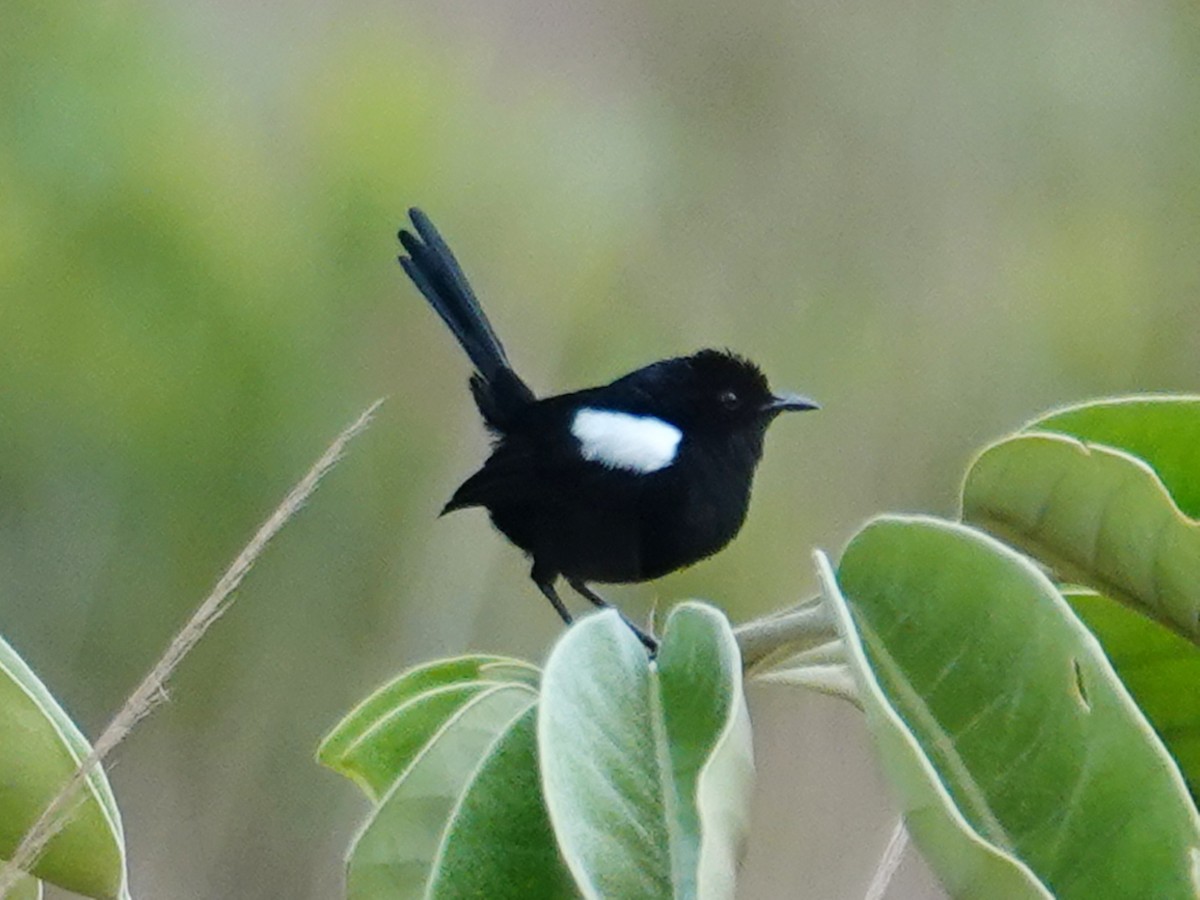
784	634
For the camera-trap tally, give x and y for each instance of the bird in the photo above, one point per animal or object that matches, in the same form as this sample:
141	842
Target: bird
620	483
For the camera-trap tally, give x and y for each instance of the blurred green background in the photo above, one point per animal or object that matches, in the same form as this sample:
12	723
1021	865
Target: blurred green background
936	219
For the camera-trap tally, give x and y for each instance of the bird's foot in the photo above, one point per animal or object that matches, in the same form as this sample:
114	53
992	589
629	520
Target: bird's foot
648	640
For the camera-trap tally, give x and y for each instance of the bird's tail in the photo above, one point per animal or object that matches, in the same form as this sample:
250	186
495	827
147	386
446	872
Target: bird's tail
498	391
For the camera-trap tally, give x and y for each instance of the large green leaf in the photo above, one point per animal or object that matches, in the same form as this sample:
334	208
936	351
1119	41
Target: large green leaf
1161	430
1102	493
40	749
1097	516
1022	762
647	767
712	753
376	741
477	768
499	843
1161	670
1140	461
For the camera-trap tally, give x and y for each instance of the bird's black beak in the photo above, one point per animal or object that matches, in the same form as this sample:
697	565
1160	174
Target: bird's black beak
789	402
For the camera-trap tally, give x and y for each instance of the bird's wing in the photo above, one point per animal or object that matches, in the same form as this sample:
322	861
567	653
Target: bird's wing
508	476
538	466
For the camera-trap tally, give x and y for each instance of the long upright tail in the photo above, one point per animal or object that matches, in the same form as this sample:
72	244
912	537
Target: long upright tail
499	392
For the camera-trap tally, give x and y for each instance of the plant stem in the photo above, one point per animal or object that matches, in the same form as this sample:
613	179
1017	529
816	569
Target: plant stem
784	634
893	855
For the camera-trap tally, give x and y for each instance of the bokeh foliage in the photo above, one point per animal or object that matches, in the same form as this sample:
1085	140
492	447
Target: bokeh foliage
936	222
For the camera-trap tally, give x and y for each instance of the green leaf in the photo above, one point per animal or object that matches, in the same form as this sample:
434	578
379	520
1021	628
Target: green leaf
499	843
1097	516
40	750
1160	669
27	888
822	669
707	725
1161	430
398	853
378	739
1022	762
647	768
832	679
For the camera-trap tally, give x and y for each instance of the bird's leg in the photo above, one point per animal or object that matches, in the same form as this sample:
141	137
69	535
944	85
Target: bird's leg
592	597
546	586
588	594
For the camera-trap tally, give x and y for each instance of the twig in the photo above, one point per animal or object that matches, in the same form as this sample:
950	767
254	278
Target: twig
779	636
151	692
893	854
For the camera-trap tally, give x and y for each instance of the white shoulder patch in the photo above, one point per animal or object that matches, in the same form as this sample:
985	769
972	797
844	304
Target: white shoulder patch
625	441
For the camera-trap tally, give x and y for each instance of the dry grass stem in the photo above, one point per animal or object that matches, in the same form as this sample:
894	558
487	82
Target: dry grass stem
152	691
893	855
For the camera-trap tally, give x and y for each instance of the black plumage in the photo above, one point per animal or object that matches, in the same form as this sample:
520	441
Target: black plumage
619	483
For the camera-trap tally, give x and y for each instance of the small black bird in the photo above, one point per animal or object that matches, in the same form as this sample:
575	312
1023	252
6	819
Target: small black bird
619	483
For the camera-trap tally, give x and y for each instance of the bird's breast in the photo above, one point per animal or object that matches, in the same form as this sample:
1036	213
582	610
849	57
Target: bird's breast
607	523
696	512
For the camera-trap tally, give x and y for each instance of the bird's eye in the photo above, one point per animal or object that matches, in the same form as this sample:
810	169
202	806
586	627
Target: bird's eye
729	399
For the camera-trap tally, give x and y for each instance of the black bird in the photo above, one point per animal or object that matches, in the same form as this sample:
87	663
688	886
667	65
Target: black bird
619	483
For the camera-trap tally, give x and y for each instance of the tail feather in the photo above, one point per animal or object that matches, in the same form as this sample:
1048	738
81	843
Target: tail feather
436	273
433	269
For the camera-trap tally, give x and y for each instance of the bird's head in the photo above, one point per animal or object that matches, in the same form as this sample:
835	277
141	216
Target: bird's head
717	392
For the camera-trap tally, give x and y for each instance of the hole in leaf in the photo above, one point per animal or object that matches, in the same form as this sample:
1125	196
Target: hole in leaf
1080	688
